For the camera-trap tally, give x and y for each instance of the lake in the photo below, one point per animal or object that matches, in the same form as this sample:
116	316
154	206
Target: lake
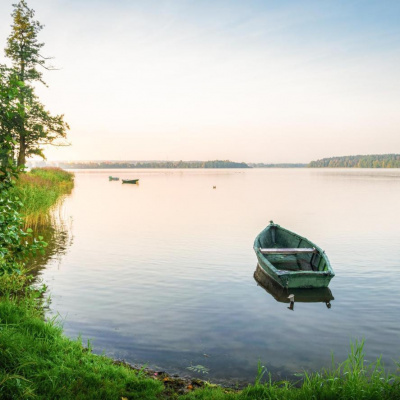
161	273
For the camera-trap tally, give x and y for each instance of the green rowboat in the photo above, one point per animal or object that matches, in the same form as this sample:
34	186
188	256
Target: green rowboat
130	181
292	260
113	178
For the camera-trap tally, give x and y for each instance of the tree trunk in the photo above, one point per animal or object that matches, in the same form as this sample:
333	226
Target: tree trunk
22	151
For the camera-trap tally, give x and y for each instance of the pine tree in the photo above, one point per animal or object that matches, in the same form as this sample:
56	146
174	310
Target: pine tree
35	127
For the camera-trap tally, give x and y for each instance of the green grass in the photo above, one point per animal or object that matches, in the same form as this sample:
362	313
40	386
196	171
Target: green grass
40	190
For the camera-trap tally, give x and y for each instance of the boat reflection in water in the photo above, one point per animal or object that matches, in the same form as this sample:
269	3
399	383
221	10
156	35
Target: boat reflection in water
281	294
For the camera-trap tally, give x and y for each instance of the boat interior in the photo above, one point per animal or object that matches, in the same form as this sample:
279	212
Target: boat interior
289	252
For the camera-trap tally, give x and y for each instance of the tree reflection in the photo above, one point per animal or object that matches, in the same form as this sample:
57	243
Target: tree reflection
58	236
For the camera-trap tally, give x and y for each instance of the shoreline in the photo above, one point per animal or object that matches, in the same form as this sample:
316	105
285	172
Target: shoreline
173	383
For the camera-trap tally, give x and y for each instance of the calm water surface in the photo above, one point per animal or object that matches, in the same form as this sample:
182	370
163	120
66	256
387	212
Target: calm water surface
161	273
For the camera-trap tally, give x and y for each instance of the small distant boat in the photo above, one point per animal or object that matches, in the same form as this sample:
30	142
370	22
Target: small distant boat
282	295
292	260
130	181
113	178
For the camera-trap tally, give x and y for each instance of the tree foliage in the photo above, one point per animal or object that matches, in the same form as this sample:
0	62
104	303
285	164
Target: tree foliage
14	246
10	112
23	48
34	126
25	126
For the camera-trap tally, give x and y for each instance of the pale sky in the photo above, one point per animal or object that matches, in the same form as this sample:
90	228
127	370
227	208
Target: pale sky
253	81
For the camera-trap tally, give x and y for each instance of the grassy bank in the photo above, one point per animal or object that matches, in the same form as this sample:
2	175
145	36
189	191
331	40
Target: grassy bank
40	190
38	362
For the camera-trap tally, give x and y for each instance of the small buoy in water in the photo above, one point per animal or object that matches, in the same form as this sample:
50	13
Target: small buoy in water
214	187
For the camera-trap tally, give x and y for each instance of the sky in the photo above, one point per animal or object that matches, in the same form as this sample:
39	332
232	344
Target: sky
249	81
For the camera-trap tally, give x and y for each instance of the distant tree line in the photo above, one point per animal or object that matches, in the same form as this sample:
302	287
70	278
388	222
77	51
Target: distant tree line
359	161
283	165
155	164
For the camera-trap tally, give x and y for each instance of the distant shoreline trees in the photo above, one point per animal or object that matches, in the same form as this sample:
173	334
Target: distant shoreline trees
154	164
359	161
281	165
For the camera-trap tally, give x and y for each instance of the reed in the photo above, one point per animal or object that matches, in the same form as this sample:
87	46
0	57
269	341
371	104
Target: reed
40	190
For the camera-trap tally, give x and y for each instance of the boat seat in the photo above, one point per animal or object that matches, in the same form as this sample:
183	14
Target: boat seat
300	250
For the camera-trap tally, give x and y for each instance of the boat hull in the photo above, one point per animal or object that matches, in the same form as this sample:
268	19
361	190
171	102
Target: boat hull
281	294
133	181
292	271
